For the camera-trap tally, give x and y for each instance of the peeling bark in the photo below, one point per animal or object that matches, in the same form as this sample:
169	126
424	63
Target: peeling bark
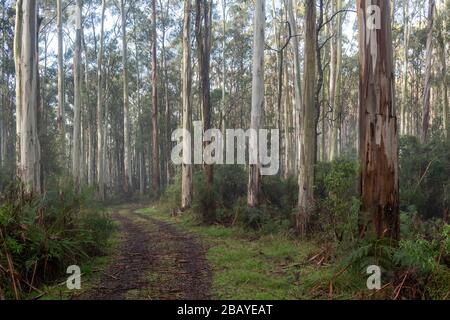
378	126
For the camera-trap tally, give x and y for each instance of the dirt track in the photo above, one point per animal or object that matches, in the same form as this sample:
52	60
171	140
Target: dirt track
155	261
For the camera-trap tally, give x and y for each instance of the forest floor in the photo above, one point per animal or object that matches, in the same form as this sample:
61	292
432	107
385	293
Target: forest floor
154	261
156	255
149	259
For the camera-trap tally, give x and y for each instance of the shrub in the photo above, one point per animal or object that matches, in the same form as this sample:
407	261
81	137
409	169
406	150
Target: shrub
255	218
230	183
227	204
337	198
280	193
425	176
216	205
172	194
42	235
424	263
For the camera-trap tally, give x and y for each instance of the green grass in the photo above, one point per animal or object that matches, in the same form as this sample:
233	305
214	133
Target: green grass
254	265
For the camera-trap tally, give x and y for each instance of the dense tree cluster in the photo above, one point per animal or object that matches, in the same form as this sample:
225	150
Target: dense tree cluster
94	90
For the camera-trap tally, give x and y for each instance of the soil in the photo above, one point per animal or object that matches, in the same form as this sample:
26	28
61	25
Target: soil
154	261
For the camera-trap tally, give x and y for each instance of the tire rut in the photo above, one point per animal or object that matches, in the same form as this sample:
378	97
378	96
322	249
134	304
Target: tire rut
155	261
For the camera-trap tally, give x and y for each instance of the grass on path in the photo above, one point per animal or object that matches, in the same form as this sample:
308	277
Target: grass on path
250	265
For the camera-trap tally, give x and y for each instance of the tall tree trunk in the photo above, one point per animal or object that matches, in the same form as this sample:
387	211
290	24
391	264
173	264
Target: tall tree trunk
319	68
3	111
167	111
442	56
223	113
89	117
280	69
100	102
335	99
186	170
61	94
378	150
155	139
287	125
332	80
326	88
126	112
203	25
42	112
308	145
77	98
405	67
140	132
18	65
107	153
298	99
26	57
254	179
427	84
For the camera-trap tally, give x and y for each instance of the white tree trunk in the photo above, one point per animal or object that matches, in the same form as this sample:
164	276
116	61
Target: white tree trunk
254	179
155	129
186	173
26	49
76	152
61	94
18	69
405	67
298	99
100	102
126	112
223	103
336	86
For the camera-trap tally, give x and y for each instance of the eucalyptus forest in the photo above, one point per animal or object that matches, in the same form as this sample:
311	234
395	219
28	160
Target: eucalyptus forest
224	149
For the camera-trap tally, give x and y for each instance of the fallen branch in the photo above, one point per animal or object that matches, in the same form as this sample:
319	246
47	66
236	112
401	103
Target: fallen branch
423	175
399	288
382	288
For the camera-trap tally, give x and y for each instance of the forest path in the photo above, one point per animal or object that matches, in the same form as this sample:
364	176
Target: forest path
155	260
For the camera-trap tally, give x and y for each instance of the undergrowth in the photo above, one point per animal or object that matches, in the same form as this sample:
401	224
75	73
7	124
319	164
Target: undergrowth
40	236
